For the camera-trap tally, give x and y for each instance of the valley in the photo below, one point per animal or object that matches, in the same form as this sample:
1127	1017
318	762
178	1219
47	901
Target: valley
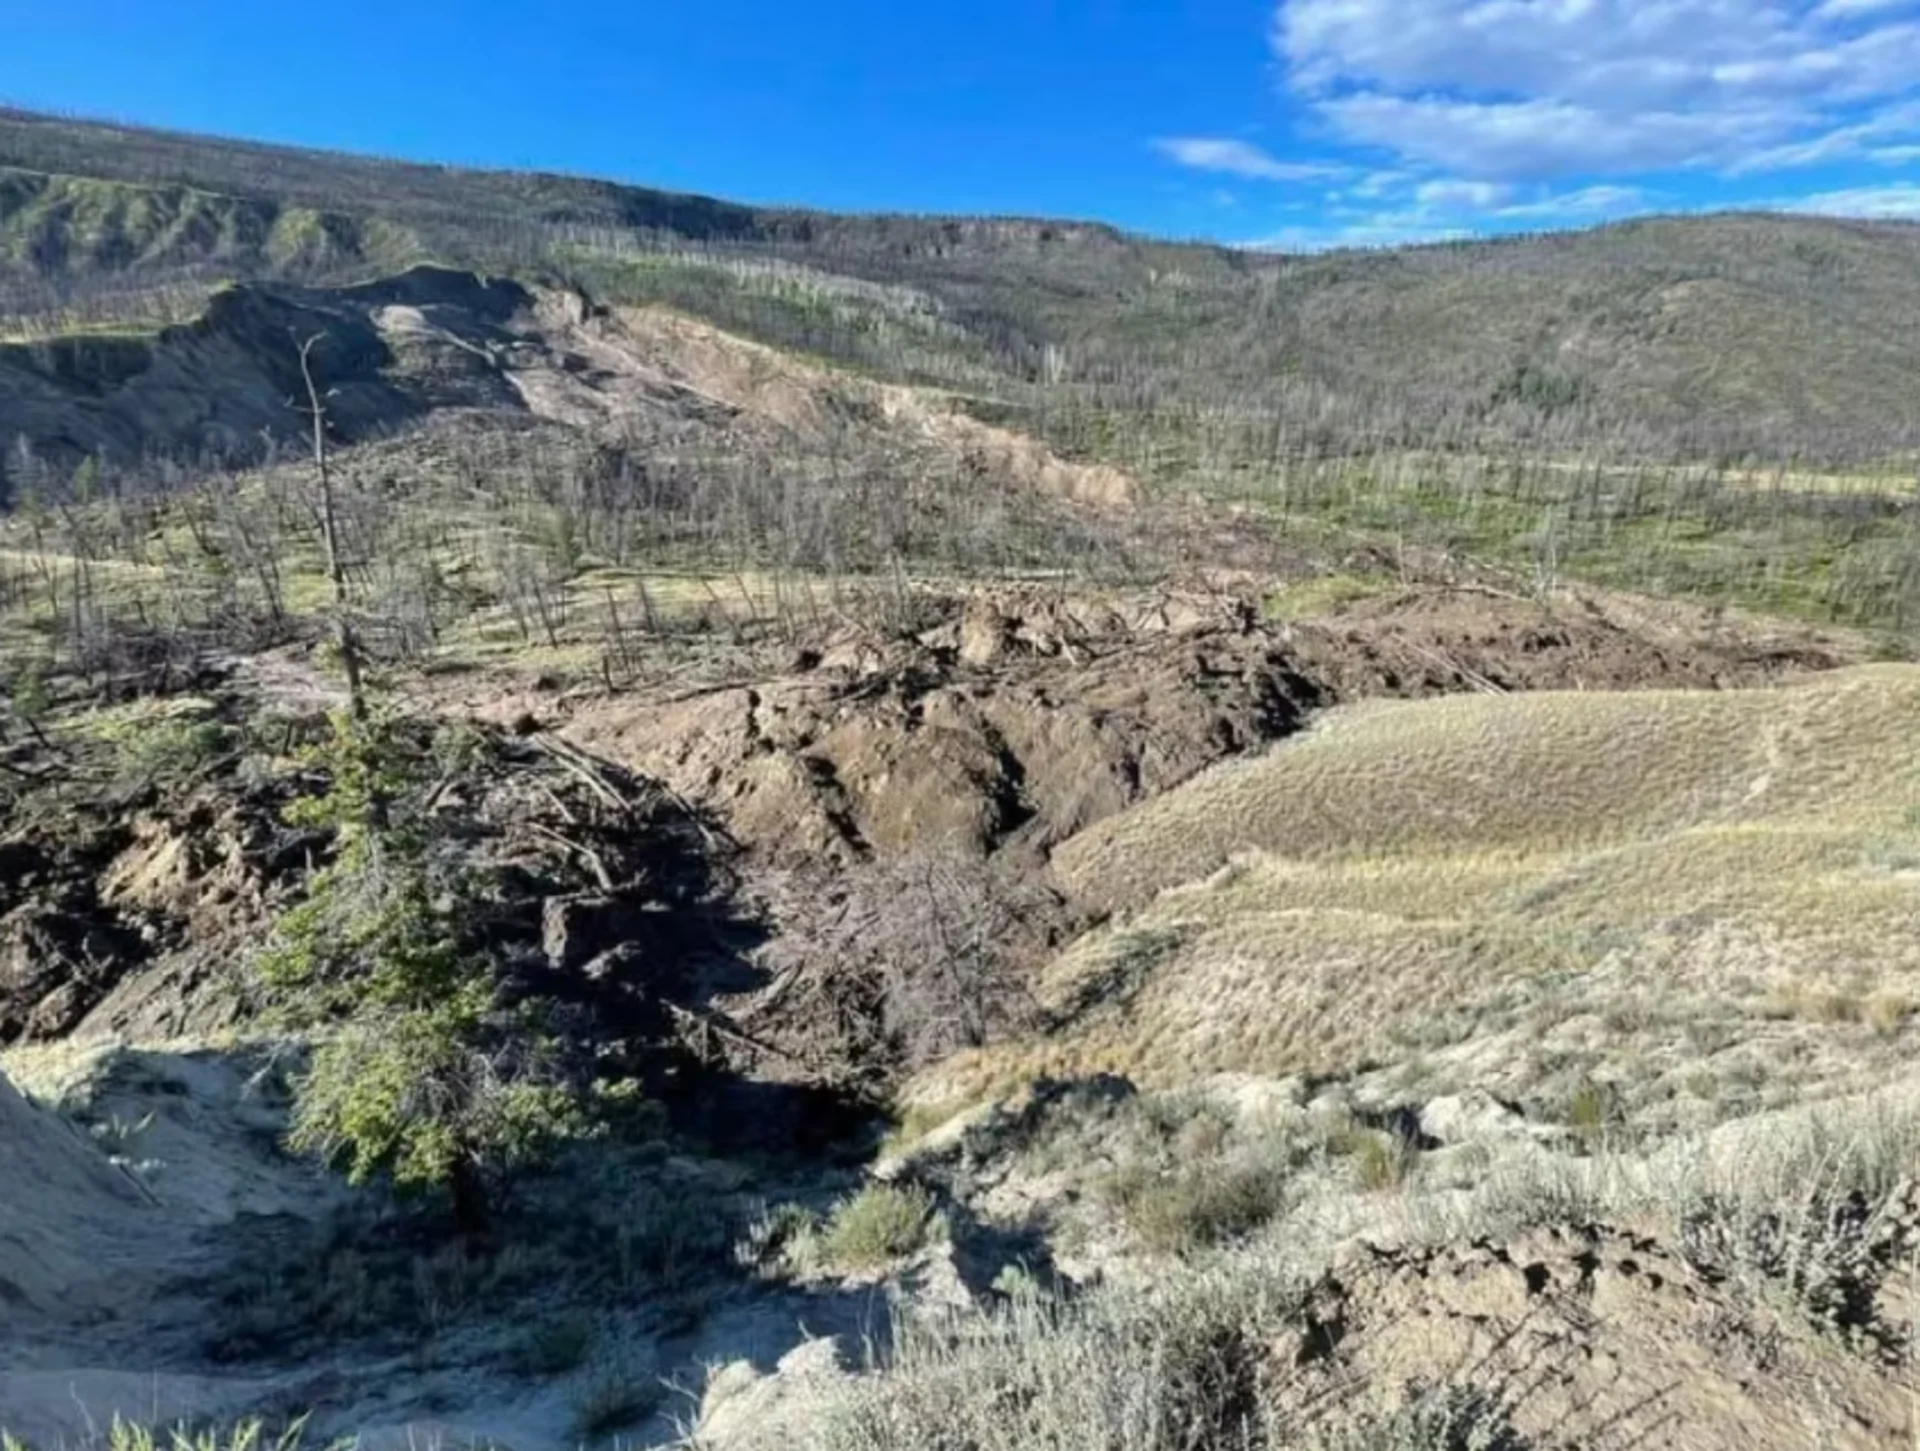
753	828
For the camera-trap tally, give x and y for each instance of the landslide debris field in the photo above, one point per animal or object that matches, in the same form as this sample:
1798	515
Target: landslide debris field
872	834
1529	904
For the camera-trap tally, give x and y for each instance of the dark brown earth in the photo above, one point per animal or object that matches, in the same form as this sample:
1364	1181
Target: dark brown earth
884	798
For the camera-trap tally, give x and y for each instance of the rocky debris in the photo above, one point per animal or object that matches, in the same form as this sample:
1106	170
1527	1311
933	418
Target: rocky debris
1442	641
140	915
1023	716
56	964
106	888
995	729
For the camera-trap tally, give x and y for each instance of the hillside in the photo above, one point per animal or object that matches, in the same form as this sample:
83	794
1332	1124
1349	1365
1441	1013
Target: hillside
1778	334
1479	883
628	820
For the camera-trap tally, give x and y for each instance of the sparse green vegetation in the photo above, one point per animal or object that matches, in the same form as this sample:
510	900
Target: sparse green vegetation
1195	1206
1382	1161
1517	994
877	1226
418	1073
1307	598
1591	1111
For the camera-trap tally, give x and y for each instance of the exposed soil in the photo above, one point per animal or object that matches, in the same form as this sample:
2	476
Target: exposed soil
790	888
1005	724
131	907
1022	718
437	342
1590	1335
1427	641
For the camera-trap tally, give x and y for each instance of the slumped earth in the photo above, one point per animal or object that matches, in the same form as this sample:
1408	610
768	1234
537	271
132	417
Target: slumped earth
1122	845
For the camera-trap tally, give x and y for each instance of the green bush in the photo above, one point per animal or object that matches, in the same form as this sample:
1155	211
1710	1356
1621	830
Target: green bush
1199	1206
419	1073
169	750
1592	1109
879	1225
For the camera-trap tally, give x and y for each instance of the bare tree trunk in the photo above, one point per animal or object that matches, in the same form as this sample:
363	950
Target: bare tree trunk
344	634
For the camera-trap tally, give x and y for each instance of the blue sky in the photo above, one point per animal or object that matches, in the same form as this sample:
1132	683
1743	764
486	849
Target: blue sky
1287	122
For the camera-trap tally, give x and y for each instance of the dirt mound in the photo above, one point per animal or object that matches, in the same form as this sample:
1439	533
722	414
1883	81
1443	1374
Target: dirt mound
1594	1336
1435	641
999	726
124	908
1028	716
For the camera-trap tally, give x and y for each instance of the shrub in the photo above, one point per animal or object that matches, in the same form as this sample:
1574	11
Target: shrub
615	1397
420	1073
1591	1111
662	1242
1384	1161
241	1436
1198	1207
775	1236
1434	1418
879	1225
1172	1367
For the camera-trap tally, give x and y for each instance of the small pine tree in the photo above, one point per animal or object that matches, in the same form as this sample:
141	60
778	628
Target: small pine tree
418	1072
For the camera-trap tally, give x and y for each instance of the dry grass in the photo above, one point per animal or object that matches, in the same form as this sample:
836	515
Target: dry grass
240	1436
1549	772
1698	900
1167	1363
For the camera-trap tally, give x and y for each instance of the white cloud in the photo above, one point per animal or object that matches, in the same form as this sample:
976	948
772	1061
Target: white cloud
1846	9
1889	203
1838	144
1363	215
1476	195
1389	230
1586	203
1242	158
1380	183
1533	90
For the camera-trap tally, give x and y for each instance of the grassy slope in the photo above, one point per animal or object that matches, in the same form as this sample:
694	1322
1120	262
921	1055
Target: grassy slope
1698	899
